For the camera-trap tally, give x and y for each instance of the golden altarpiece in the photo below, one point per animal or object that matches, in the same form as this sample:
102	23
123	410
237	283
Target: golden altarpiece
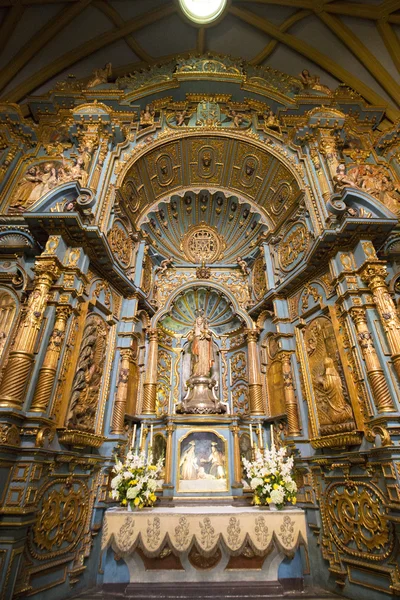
193	249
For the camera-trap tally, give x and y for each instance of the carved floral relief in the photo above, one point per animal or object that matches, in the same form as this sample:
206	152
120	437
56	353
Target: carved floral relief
86	384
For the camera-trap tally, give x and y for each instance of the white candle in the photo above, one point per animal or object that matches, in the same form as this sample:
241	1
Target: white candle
260	440
151	436
134	435
272	434
251	434
140	437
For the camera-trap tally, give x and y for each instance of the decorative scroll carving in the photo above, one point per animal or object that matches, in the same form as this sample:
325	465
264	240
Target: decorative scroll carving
59	527
89	371
259	278
357	520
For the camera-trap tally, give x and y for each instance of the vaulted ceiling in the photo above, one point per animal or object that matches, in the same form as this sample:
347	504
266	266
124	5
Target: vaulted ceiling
42	41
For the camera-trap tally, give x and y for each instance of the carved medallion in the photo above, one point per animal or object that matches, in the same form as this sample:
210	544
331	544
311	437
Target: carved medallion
202	243
293	246
120	244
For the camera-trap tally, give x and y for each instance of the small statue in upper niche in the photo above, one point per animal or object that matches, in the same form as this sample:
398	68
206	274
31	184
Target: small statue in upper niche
312	82
342	179
271	121
147	116
165	265
243	266
100	76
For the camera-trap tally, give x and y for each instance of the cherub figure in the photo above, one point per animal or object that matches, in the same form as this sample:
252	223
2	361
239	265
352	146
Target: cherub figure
180	117
243	266
237	118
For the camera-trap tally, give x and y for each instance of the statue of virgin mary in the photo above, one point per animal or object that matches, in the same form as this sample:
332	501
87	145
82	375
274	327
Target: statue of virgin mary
201	348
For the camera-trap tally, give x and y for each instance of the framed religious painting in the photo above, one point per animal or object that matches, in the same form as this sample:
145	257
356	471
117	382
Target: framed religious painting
202	462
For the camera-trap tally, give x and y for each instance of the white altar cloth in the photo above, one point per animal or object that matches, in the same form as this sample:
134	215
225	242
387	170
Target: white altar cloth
231	527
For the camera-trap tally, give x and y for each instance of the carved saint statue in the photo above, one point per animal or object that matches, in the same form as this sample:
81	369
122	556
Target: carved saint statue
100	76
201	348
332	405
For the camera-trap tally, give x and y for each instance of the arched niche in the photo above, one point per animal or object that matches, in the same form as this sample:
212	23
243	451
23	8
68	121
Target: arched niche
234	164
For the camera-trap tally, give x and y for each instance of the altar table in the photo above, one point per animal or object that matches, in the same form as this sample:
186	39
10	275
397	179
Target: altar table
203	543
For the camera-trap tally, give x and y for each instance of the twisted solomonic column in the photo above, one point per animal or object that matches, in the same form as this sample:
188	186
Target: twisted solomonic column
290	396
374	275
254	369
19	366
150	384
376	377
48	370
118	418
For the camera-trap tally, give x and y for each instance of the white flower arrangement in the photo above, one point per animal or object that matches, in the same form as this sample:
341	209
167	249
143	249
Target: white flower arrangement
136	480
270	477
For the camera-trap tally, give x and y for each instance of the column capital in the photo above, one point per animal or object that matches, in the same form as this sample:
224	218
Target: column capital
252	335
358	314
63	312
153	335
47	268
374	275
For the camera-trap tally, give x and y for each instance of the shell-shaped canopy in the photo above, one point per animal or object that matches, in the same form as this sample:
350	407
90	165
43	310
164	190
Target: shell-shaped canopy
213	305
204	227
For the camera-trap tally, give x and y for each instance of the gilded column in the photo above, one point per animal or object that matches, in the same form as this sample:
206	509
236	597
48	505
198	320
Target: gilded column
290	396
19	365
150	384
374	275
376	377
237	469
117	425
255	385
168	454
49	367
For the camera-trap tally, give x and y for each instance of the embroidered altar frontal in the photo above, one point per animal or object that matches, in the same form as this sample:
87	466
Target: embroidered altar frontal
208	543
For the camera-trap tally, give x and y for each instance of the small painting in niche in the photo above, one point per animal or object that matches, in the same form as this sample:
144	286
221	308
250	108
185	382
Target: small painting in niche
202	463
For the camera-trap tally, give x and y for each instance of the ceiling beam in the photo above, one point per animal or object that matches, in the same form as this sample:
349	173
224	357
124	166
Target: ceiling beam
309	52
39	39
361	52
391	42
118	21
270	47
352	9
9	23
73	56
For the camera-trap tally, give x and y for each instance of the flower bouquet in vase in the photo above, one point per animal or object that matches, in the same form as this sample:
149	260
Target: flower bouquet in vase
136	480
270	476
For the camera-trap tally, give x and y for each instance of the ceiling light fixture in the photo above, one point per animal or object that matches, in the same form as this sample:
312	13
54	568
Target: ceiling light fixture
202	12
